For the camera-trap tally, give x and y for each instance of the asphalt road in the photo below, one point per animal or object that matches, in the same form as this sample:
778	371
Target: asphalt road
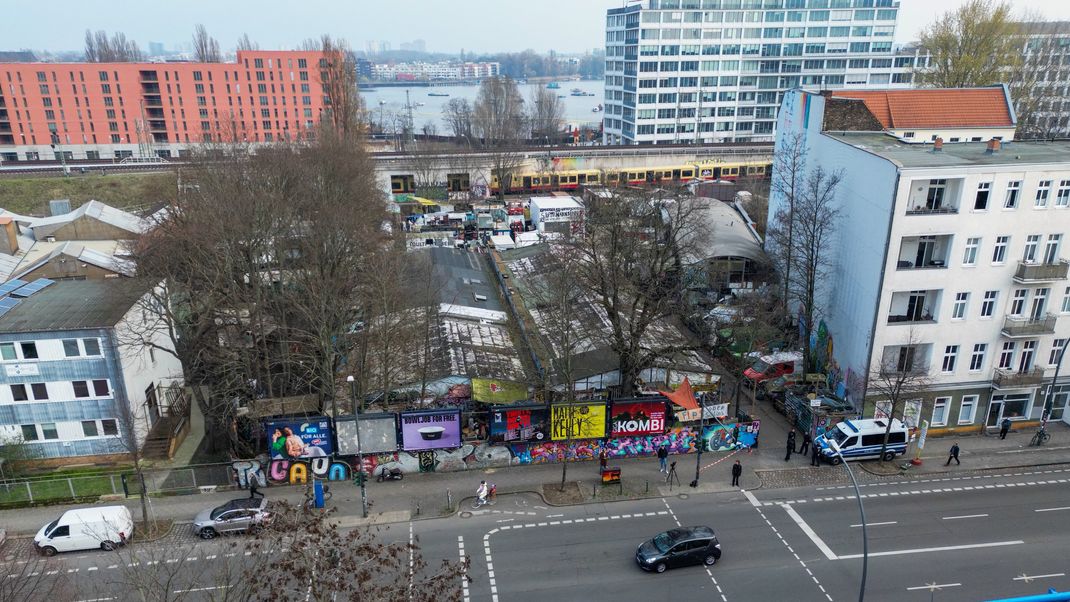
975	536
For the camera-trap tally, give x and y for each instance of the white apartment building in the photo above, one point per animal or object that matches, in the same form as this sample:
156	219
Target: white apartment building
951	260
702	71
433	71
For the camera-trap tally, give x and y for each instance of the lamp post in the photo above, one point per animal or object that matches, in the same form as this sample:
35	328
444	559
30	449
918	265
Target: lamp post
701	438
862	511
360	454
1049	398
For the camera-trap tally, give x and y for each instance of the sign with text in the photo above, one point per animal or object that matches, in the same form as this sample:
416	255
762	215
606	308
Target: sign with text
308	438
637	418
517	425
717	410
378	434
578	421
430	430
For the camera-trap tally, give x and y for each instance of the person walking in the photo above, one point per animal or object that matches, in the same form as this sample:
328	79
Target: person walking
815	458
791	440
791	448
1004	428
953	455
253	490
805	444
663	458
737	470
603	458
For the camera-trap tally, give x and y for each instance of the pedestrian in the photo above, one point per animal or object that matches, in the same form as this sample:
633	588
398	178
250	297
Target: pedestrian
791	445
466	566
806	443
253	491
815	456
663	458
737	470
953	455
603	458
1004	427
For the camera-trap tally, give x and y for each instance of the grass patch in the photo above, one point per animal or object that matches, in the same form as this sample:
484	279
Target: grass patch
49	490
30	196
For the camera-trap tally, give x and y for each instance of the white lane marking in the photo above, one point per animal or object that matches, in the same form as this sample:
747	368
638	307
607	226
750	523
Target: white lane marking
891	522
465	567
199	589
1052	509
810	532
412	565
1028	578
994	544
963	516
750	498
933	586
96	600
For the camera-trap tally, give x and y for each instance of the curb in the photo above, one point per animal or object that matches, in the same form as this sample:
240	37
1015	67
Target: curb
902	472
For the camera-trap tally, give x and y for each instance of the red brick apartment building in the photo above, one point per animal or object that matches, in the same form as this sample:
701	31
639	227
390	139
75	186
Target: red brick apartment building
116	110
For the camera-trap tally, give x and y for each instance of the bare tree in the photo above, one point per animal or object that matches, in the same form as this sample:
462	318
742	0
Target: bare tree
500	123
205	47
789	164
458	115
244	43
99	48
901	376
547	115
972	45
810	255
338	75
37	579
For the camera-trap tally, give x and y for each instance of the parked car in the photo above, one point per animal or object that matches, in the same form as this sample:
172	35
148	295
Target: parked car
236	516
86	529
679	547
773	365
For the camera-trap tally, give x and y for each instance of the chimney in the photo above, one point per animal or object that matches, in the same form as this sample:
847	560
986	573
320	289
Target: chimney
938	145
993	147
10	243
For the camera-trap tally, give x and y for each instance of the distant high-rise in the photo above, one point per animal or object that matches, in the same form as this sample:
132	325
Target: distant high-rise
156	49
716	70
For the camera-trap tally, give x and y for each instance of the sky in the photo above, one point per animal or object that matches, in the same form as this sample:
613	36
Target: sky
567	26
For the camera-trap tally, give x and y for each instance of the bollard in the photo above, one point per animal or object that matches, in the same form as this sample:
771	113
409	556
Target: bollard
417	507
594	491
648	486
449	500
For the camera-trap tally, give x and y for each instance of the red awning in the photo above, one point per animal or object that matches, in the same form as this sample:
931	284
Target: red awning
683	396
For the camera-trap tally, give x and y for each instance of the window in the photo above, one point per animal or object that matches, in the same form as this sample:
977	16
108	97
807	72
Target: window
18	393
977	358
934	199
1018	302
951	354
958	310
999	252
940	411
29	350
1011	201
1025	360
70	348
110	427
969	256
89	428
48	431
7	351
29	432
906	358
1056	349
967	409
1066	300
1031	243
1006	356
39	390
1062	196
81	389
1042	194
988	305
1051	248
100	388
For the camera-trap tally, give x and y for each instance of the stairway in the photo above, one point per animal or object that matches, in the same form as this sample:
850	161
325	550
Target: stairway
158	441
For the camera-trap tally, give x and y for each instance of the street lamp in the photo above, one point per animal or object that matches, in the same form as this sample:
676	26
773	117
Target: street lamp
862	511
701	438
1048	399
360	455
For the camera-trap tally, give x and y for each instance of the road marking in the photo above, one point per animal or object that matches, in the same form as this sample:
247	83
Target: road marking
465	567
1028	578
750	498
994	544
761	513
809	532
891	522
199	589
963	516
1052	509
97	600
412	566
933	586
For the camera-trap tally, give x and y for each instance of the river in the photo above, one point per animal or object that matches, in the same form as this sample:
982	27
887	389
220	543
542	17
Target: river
382	102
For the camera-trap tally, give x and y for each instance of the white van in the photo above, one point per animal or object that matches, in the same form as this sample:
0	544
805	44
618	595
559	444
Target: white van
861	439
102	527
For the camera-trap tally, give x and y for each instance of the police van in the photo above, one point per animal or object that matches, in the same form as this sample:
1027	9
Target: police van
862	439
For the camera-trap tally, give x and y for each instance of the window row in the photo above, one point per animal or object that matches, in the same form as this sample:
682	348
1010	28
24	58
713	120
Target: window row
32	350
1031	252
1009	351
80	389
50	431
1013	194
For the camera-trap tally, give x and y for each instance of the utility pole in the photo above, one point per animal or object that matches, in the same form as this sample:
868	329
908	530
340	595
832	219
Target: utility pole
360	454
701	438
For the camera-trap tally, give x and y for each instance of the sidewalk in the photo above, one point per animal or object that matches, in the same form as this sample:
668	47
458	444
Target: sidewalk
421	496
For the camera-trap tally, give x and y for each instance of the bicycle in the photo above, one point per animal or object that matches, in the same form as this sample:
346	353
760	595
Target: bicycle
310	497
492	493
1040	438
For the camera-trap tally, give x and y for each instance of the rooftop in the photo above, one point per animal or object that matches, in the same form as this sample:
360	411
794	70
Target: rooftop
936	107
73	305
123	220
964	154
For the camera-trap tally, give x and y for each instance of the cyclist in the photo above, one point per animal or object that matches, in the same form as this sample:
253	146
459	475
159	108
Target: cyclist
482	492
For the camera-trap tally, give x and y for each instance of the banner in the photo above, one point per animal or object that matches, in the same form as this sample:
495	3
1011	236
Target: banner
307	438
519	425
498	391
378	434
716	410
430	430
578	421
637	418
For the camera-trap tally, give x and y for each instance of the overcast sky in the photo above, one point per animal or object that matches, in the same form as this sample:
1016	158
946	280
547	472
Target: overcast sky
445	25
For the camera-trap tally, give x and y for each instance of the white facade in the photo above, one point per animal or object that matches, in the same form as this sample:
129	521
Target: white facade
958	252
716	70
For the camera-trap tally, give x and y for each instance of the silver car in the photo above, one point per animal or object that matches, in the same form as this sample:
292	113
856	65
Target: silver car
236	516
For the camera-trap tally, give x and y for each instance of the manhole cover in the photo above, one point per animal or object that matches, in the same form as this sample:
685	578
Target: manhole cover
466	514
683	496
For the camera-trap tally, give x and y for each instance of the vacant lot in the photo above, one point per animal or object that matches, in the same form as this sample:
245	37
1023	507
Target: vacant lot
30	196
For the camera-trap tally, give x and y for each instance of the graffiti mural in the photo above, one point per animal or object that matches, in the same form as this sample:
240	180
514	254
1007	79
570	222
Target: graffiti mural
299	471
719	437
248	471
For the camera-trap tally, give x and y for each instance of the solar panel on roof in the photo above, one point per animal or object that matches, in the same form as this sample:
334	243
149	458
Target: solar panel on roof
7	304
32	287
11	285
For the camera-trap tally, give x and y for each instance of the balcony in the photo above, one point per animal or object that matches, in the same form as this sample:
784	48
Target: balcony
1041	272
157	126
934	197
1015	327
914	307
147	76
924	252
153	101
1010	379
150	88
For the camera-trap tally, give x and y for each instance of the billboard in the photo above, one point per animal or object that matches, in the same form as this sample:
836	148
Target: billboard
516	425
637	418
578	421
378	434
299	438
498	391
430	430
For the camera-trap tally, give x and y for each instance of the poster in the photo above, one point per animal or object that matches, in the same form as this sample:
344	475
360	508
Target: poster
430	430
584	420
378	434
719	437
498	391
713	411
299	438
637	418
517	425
747	433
